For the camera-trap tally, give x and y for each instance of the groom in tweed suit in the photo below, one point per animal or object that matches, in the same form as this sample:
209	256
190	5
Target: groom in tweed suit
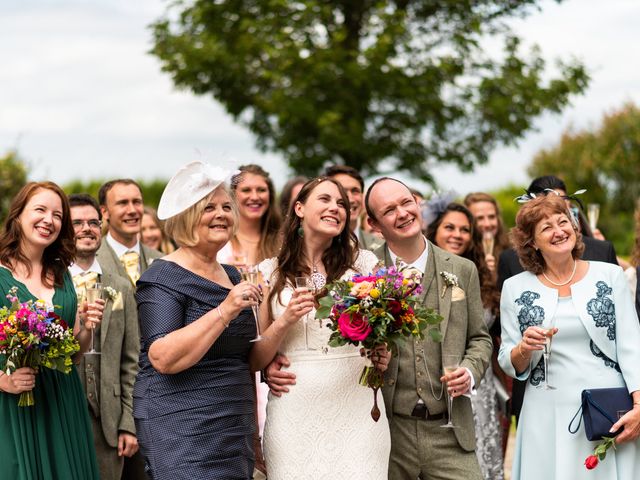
414	400
107	378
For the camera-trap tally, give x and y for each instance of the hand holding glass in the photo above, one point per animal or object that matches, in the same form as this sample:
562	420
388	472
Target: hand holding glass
548	336
251	274
305	282
450	363
93	293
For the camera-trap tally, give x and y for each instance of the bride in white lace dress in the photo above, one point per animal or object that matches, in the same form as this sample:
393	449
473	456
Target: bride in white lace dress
322	428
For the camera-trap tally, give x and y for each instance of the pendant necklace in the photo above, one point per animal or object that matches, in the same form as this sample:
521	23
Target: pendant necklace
318	280
562	284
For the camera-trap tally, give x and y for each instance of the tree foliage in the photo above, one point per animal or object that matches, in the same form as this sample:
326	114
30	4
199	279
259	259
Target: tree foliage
606	161
13	176
403	83
151	190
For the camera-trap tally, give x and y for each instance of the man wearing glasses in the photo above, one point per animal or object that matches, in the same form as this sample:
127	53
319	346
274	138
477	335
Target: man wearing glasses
107	377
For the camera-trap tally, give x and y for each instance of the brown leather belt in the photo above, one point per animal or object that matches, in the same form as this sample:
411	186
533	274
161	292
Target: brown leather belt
421	411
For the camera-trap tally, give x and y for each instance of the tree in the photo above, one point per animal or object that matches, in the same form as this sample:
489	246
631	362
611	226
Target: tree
151	190
397	84
13	176
606	161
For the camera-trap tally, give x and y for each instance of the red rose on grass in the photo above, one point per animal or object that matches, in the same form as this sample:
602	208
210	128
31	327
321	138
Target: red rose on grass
591	462
353	326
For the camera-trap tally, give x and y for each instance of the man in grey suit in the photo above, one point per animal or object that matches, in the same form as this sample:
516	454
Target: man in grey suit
414	398
353	184
108	377
122	253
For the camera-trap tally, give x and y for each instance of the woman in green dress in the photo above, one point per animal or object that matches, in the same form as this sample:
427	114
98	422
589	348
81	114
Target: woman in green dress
51	440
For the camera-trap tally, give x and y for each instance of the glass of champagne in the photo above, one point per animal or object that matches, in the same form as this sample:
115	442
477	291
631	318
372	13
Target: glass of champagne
239	260
450	363
548	336
488	242
593	213
92	294
251	274
305	282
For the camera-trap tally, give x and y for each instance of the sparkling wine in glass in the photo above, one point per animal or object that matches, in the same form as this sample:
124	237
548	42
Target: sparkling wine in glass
488	242
450	363
251	274
239	260
306	283
593	213
548	336
92	294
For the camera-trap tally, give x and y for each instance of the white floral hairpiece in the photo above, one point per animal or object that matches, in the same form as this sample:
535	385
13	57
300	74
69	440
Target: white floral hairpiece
528	196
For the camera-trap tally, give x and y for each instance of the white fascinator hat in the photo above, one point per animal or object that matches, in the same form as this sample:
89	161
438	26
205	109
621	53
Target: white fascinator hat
189	185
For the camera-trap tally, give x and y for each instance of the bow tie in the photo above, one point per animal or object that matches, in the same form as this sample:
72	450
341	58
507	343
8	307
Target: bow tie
131	263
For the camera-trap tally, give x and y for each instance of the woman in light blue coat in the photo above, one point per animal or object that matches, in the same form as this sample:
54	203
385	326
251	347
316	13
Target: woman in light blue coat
586	308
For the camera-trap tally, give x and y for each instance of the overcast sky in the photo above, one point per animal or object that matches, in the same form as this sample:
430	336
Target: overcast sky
80	98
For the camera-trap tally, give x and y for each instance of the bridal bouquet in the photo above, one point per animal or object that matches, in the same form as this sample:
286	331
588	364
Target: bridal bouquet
378	309
32	335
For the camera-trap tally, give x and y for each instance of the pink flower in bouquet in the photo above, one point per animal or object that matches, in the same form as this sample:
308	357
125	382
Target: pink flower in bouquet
361	289
360	279
354	326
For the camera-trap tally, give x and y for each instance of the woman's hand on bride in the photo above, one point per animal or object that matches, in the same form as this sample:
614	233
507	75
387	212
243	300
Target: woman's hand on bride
301	303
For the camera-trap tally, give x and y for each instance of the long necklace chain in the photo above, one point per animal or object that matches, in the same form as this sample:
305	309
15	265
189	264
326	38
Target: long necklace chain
561	284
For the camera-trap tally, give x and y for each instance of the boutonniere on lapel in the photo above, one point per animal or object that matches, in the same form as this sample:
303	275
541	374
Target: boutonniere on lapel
450	280
111	292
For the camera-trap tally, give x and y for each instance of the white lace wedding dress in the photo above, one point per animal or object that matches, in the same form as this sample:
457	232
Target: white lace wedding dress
322	428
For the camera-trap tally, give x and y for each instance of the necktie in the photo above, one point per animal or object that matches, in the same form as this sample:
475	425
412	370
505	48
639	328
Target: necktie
84	280
131	262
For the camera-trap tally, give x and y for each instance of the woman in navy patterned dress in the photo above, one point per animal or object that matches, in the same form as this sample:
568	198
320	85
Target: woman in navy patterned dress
587	308
193	397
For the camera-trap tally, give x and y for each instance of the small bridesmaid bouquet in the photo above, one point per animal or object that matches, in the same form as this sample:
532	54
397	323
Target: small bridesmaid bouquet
382	308
32	335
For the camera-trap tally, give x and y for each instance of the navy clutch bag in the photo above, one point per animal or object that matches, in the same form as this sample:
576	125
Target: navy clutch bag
601	408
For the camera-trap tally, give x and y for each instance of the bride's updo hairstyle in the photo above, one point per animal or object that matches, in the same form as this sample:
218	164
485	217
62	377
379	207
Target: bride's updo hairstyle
292	261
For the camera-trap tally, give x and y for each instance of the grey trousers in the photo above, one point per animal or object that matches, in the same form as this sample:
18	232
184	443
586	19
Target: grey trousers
422	449
109	462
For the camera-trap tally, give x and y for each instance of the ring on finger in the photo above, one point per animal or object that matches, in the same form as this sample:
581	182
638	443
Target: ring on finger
245	297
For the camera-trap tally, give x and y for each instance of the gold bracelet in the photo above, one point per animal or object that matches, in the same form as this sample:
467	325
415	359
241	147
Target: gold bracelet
219	309
520	351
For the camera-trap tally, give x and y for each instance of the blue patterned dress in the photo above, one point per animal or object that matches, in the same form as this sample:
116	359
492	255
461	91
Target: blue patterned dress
598	317
198	423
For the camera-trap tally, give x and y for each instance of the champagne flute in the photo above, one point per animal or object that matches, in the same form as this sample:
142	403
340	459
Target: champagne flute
450	363
548	336
305	282
239	260
488	242
251	274
593	212
92	294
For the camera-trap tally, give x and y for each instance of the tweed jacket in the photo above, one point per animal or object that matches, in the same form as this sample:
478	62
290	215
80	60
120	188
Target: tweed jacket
109	388
463	329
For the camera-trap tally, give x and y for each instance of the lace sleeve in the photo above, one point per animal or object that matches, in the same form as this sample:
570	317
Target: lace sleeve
366	262
267	268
